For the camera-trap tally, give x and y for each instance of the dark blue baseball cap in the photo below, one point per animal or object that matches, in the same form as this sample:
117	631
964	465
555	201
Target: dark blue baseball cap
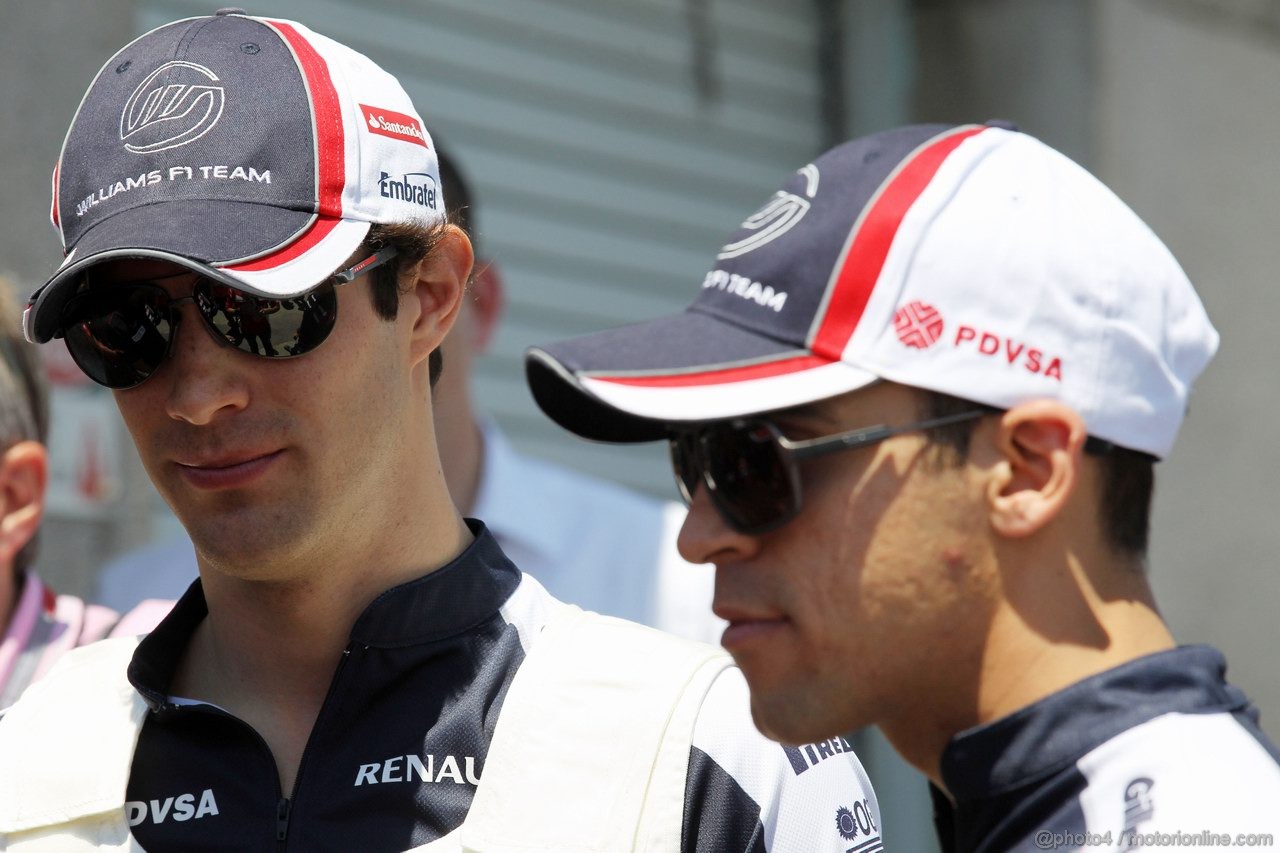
248	149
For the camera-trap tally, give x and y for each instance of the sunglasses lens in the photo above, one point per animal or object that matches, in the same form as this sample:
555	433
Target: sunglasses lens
684	460
275	328
118	335
752	476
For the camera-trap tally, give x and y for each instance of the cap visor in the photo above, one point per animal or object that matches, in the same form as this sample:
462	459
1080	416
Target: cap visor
200	237
636	382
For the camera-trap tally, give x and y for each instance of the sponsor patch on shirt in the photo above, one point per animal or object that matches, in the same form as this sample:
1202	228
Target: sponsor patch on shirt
181	808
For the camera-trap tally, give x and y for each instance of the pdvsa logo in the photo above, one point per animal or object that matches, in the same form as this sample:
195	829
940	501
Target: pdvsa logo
1014	352
918	324
415	187
393	124
778	216
180	808
173	106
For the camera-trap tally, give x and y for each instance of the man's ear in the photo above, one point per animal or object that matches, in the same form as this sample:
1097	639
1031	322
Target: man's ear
1041	445
441	278
24	472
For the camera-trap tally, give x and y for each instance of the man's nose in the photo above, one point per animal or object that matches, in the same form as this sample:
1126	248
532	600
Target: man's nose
706	537
204	378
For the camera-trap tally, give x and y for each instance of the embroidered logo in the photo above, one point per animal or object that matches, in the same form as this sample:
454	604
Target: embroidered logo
394	125
918	324
778	216
169	113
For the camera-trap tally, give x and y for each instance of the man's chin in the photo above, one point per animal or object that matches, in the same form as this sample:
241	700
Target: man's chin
790	717
247	547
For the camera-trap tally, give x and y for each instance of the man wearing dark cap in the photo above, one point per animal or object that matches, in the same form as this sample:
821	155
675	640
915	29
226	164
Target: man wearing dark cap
915	409
259	265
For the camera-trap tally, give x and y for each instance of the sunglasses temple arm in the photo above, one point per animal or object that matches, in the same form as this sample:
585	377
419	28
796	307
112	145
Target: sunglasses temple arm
372	262
812	447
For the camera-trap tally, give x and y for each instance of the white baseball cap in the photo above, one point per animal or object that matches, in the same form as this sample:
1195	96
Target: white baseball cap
973	260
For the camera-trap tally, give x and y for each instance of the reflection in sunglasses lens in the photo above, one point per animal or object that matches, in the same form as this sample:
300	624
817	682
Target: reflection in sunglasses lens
118	337
269	327
685	462
751	475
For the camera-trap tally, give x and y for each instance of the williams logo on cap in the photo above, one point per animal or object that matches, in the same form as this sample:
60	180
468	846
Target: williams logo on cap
165	113
778	216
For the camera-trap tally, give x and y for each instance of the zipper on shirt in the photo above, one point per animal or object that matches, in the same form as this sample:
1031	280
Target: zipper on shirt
285	806
282	819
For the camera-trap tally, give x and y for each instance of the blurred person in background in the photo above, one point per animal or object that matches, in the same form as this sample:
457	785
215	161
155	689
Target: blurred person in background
37	626
357	667
916	410
557	524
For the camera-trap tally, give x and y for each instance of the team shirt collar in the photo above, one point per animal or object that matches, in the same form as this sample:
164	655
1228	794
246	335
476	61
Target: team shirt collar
1055	732
449	601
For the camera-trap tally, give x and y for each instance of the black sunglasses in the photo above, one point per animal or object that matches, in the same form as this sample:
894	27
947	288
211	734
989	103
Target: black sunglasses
750	468
120	334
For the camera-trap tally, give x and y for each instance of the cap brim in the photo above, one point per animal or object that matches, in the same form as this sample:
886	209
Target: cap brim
223	240
636	382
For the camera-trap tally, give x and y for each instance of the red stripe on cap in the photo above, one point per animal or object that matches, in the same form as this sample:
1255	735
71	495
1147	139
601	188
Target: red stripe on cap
330	145
331	160
782	367
864	261
316	231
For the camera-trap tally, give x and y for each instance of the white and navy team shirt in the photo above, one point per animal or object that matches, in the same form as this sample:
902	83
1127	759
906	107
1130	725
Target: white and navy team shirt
1159	752
399	746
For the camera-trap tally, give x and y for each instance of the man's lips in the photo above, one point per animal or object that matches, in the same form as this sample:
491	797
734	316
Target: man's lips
228	472
748	627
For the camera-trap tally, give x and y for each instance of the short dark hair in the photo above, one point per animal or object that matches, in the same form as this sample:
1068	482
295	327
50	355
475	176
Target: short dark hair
413	241
1128	476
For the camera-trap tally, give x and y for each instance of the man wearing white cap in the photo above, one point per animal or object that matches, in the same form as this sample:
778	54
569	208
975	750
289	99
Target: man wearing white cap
259	265
915	409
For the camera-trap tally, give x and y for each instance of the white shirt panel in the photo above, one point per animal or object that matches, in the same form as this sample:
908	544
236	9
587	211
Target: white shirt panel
1188	773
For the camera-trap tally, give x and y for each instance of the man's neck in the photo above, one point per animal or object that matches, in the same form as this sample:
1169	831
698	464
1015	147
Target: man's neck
268	650
1052	627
